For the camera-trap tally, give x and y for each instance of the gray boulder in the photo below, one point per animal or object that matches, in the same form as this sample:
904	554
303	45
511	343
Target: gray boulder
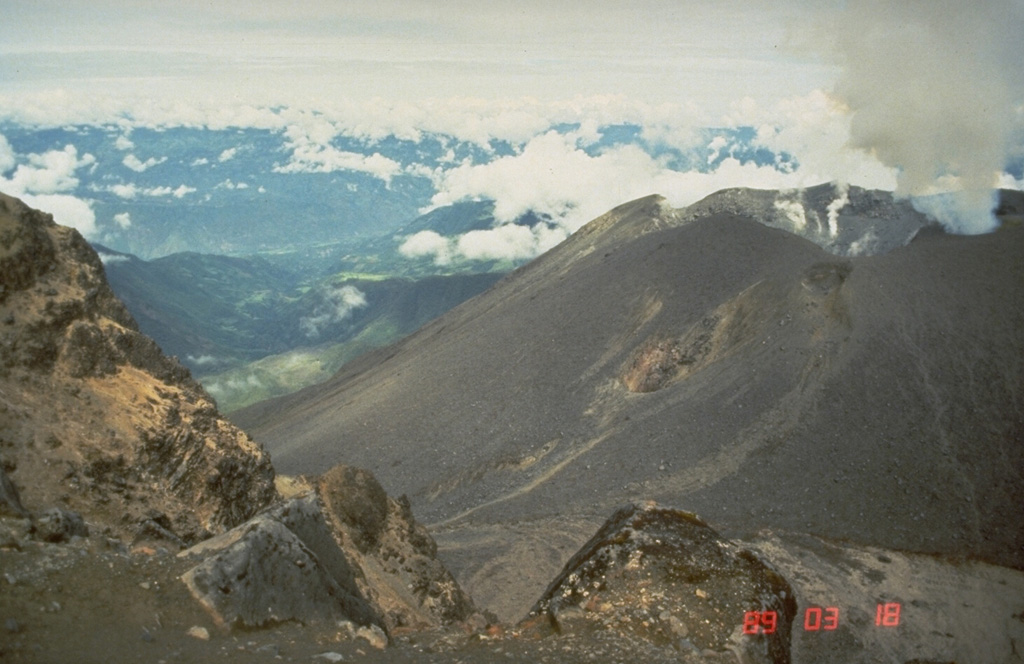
281	565
59	525
344	551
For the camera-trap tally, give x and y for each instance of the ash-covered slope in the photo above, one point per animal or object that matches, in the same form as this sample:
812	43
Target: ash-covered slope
93	417
708	362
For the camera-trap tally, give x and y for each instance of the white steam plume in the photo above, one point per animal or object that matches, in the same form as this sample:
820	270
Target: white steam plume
836	206
933	86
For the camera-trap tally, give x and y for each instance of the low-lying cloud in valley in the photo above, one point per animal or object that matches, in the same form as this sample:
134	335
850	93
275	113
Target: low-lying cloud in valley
336	304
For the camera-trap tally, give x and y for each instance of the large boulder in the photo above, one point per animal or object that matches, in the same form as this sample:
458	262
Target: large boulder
281	565
662	576
344	551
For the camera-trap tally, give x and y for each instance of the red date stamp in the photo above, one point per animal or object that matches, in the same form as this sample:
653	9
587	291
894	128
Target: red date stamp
817	619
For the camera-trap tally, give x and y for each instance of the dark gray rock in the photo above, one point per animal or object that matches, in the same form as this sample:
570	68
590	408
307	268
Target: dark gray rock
344	552
59	525
10	502
282	565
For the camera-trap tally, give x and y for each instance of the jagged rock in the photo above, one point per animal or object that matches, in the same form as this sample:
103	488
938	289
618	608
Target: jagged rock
345	551
10	502
397	554
843	220
664	577
281	565
93	415
59	525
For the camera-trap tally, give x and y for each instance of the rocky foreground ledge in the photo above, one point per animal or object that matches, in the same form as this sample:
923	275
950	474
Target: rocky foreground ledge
343	551
340	573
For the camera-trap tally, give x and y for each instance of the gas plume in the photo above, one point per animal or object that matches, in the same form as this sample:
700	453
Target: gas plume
934	88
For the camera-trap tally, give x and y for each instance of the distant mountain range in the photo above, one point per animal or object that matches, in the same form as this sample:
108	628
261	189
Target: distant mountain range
261	326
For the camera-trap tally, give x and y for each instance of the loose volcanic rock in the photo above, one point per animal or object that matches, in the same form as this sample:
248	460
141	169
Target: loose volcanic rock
59	525
663	576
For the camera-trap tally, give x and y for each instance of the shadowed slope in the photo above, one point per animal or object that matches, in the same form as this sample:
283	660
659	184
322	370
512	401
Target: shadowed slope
736	370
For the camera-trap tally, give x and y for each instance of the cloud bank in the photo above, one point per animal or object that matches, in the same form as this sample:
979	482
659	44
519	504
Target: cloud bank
43	181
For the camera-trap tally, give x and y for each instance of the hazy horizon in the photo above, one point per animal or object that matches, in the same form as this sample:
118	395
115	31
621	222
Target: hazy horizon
918	98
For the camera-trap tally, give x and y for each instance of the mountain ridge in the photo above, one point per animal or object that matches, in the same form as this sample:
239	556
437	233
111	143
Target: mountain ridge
142	446
796	389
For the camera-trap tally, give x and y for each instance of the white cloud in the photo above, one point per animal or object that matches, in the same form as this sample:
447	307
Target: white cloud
428	243
201	161
44	181
107	259
515	242
203	360
123	219
715	148
553	176
312	152
337	304
227	154
815	129
66	210
228	184
509	242
123	143
131	191
48	173
137	165
7	156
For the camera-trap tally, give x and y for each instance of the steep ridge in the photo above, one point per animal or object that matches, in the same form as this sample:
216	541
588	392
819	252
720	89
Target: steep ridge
112	458
707	362
93	417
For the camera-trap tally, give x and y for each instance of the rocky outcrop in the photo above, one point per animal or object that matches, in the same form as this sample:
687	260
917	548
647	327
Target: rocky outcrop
342	552
93	416
663	576
843	220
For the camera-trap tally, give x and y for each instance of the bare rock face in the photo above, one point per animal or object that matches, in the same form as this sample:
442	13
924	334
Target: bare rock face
281	565
343	552
843	220
93	416
664	577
